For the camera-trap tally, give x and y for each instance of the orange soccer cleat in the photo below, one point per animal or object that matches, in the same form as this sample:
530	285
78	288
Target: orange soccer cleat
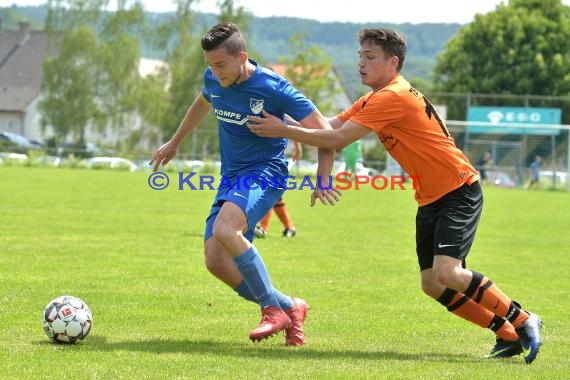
273	320
294	335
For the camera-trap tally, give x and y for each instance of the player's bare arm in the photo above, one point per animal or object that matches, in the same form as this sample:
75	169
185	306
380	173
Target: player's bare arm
195	114
297	150
346	133
326	193
334	122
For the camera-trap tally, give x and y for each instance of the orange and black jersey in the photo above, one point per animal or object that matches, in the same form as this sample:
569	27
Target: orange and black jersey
415	135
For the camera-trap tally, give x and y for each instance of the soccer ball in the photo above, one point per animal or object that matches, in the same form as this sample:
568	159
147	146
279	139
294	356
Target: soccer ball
67	319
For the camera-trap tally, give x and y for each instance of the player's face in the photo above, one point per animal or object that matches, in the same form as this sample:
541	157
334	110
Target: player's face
375	67
226	68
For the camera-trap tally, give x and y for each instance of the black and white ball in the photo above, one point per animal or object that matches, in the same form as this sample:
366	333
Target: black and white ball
67	319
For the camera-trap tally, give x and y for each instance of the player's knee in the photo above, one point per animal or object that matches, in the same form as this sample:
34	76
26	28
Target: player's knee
214	265
447	278
211	264
209	260
222	232
430	288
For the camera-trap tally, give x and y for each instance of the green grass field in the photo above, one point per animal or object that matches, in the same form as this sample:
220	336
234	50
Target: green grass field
135	256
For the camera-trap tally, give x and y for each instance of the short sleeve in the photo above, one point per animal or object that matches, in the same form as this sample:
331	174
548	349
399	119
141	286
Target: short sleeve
293	102
206	93
380	109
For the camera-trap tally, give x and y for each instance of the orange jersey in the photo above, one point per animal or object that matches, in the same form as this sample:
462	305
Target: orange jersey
414	134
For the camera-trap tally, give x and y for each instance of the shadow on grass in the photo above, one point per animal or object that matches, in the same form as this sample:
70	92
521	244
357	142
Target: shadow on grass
261	350
193	234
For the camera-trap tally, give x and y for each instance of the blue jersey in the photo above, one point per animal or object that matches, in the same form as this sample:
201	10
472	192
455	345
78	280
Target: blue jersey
242	152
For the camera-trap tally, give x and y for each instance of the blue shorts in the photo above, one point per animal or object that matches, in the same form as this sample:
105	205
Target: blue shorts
254	199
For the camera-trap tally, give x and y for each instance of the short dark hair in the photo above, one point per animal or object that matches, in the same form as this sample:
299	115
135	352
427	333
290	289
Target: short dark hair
224	34
389	40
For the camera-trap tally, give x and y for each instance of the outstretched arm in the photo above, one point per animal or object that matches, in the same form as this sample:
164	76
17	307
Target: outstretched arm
195	114
326	195
271	126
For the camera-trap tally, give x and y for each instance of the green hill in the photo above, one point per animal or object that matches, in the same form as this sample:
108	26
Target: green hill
269	37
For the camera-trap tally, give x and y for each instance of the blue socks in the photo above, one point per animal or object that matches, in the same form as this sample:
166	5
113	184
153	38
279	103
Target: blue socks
284	301
254	273
243	291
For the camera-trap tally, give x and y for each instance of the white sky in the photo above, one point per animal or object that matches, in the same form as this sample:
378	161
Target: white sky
394	11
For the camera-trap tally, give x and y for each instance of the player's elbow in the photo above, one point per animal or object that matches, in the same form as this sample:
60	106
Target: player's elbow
331	144
337	145
338	142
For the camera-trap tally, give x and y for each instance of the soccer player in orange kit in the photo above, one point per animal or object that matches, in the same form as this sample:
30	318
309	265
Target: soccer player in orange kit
447	189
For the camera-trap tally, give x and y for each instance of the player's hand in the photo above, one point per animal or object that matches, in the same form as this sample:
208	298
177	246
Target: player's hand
164	154
325	192
266	126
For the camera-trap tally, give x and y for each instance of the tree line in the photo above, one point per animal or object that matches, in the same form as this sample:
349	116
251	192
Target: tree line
520	48
92	79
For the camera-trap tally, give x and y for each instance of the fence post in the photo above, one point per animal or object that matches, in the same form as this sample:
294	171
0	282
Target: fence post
568	163
467	106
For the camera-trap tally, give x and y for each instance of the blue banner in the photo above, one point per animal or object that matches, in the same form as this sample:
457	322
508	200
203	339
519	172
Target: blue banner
513	120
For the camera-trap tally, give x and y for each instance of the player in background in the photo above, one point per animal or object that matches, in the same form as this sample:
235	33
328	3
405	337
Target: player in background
534	173
448	191
234	87
352	155
484	165
280	207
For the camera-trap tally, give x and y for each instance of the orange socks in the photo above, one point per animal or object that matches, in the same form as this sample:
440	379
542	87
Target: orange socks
265	220
485	305
463	307
485	293
281	211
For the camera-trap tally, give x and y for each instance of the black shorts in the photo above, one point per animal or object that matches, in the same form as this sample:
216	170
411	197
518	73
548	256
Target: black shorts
447	226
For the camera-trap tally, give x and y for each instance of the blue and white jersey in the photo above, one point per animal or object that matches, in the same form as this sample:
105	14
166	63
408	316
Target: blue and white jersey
243	152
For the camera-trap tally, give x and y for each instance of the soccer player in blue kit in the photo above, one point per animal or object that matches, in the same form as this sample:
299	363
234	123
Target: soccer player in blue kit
235	87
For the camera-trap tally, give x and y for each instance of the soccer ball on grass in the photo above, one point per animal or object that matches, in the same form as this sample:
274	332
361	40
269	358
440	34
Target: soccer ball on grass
67	319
